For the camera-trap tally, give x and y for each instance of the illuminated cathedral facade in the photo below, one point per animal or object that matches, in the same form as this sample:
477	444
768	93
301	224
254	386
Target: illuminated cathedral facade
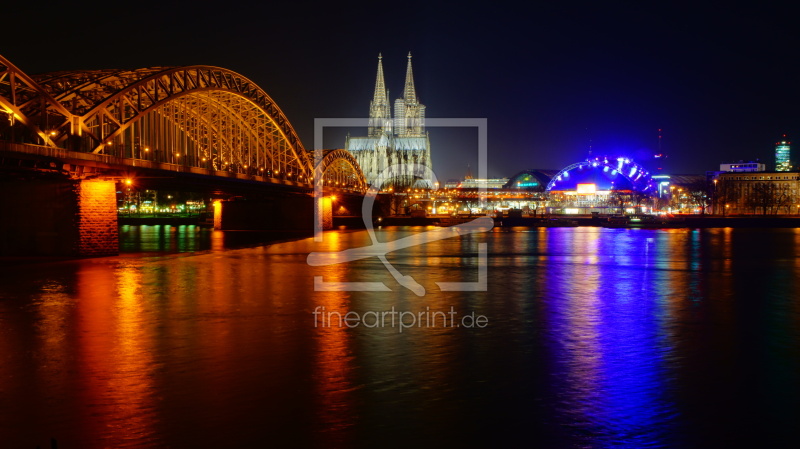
399	147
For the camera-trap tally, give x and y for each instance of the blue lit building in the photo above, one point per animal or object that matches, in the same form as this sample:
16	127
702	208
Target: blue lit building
743	166
603	185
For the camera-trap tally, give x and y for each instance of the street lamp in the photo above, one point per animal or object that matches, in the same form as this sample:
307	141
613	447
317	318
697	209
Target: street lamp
714	197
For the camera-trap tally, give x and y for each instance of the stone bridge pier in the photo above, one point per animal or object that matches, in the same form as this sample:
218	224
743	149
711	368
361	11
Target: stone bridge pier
58	217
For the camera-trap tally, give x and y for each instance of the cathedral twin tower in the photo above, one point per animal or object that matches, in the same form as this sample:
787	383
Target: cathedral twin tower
398	150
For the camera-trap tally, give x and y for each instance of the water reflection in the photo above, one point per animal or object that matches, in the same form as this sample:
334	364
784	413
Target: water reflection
608	340
114	356
597	338
333	362
164	239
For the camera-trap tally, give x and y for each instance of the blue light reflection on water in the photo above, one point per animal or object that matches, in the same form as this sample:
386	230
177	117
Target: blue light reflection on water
608	341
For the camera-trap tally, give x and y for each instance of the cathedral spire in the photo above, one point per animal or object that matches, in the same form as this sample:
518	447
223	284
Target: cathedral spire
380	86
380	111
409	114
410	94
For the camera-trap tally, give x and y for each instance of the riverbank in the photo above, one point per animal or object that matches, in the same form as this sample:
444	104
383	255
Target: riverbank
683	221
164	220
688	221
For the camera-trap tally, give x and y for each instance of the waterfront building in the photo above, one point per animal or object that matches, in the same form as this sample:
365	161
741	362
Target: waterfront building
783	155
683	193
476	183
666	185
602	185
757	193
531	180
400	142
743	166
452	183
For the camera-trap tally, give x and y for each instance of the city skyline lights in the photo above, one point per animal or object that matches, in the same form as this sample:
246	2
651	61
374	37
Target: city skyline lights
700	84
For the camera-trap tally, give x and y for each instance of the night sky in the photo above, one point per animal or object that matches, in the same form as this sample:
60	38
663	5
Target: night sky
551	79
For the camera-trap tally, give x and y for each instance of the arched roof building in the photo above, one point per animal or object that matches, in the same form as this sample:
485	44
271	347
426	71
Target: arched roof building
601	184
531	180
603	174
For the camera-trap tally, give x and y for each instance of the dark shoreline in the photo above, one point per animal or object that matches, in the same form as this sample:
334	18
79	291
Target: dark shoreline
660	223
687	221
172	221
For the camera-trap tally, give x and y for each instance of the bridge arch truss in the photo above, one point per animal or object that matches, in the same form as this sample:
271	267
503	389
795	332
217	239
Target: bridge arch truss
197	116
339	169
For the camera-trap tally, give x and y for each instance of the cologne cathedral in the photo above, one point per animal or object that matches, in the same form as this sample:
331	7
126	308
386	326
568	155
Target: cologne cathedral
400	145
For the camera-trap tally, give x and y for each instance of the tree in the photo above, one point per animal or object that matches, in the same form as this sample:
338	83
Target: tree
769	197
698	194
661	203
783	197
760	197
725	193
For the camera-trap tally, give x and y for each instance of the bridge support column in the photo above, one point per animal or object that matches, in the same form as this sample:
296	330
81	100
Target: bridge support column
284	213
58	218
98	231
325	206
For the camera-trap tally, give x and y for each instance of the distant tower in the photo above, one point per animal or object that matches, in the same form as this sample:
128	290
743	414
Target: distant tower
659	156
659	143
783	155
401	142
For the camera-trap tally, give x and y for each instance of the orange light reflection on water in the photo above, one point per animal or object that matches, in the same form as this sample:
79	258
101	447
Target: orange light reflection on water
115	352
333	370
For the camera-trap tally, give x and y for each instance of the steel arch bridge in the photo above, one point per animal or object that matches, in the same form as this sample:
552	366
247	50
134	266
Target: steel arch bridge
196	116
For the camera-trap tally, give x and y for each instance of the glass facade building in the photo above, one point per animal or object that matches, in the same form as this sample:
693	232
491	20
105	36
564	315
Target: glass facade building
783	155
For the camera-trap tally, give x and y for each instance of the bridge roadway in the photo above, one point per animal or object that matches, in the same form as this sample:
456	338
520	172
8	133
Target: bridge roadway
26	158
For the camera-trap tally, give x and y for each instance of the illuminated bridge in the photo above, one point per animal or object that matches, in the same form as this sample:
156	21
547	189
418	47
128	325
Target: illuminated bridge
199	126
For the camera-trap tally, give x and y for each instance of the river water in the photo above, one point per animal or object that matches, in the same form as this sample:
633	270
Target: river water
583	338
